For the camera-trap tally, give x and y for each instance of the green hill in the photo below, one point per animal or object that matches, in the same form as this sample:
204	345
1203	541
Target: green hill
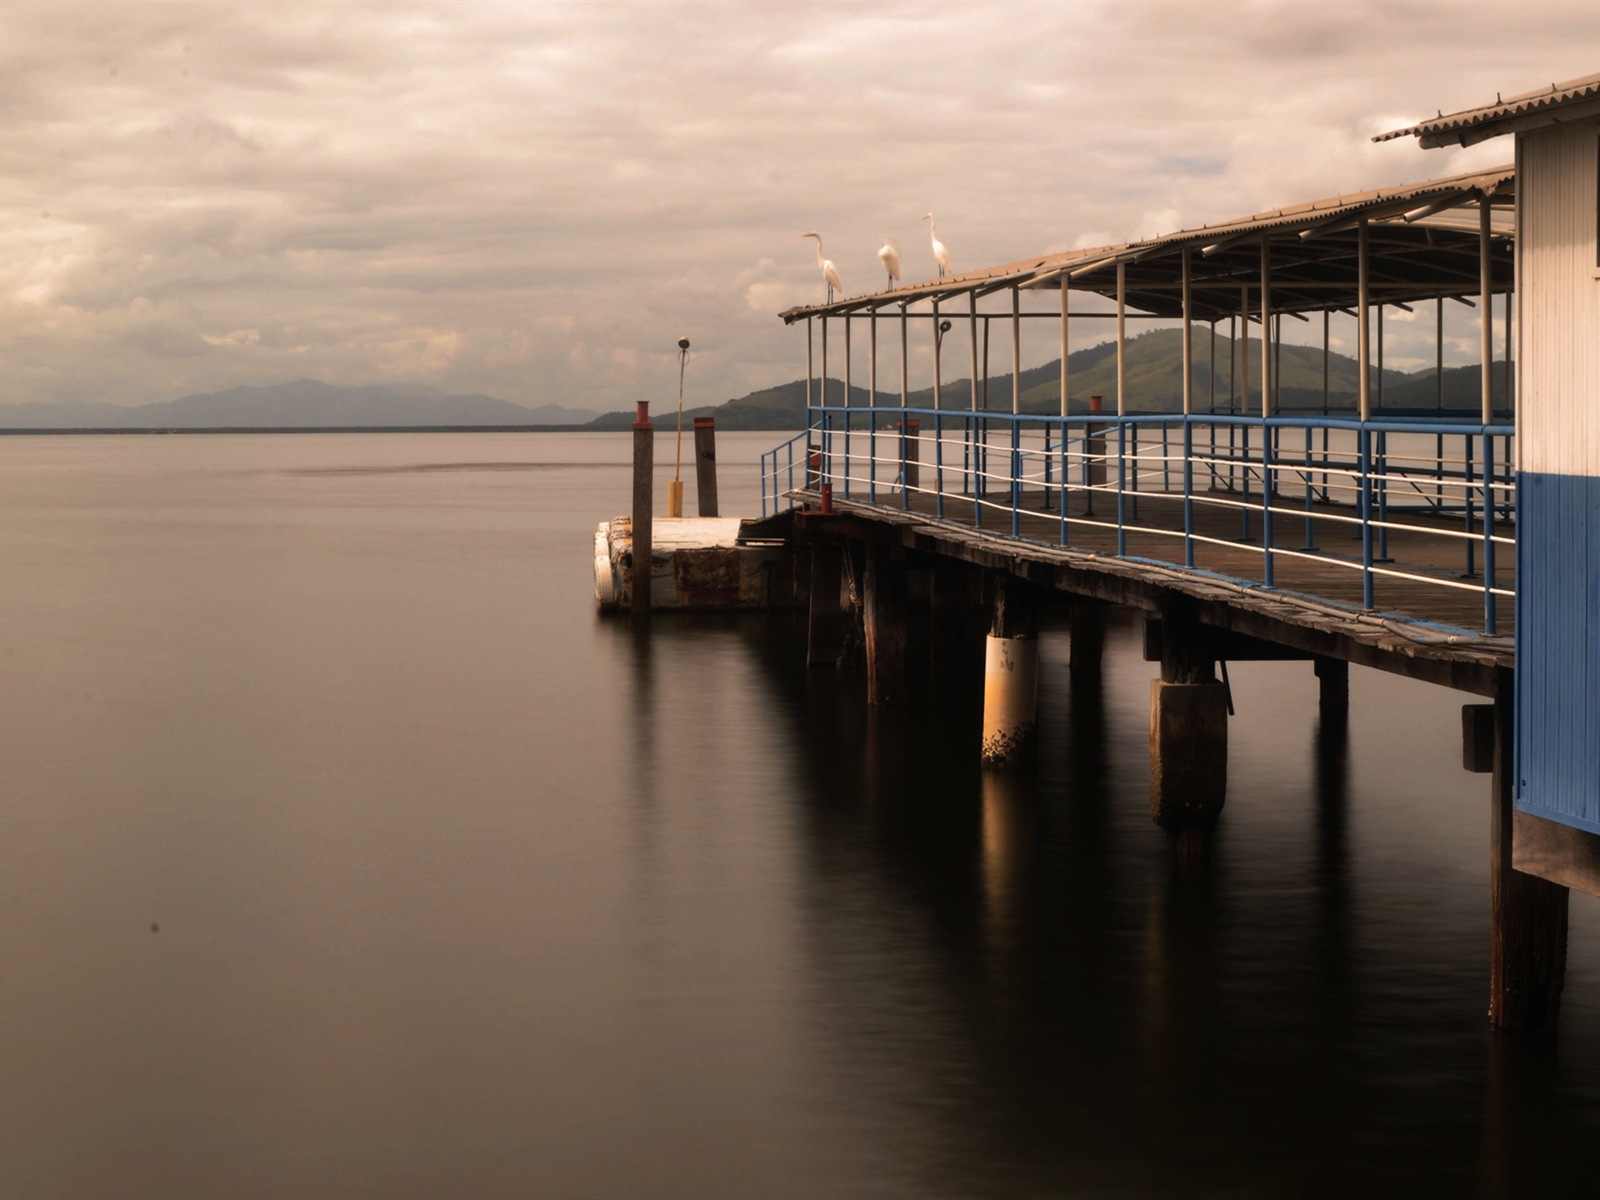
1154	370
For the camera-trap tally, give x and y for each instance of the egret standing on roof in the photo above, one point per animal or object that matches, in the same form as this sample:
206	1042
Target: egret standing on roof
830	273
889	256
940	254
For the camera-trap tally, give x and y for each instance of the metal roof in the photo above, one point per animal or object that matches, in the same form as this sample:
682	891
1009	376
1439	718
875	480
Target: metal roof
1577	99
1427	251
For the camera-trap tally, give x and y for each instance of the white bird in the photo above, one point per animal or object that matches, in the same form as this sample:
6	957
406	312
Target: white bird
830	273
889	256
940	254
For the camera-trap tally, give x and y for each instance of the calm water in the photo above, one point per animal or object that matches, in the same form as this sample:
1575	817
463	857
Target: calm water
344	852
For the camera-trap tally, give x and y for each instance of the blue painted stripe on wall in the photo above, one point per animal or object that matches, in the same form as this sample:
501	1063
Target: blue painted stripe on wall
1558	634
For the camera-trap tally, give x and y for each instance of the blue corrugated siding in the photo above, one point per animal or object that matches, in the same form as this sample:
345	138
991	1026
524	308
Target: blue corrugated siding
1558	632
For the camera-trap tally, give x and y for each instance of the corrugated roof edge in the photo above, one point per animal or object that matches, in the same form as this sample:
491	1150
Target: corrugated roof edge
1488	182
1555	96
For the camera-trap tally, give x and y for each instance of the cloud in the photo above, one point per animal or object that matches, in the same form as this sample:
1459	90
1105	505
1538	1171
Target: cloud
537	201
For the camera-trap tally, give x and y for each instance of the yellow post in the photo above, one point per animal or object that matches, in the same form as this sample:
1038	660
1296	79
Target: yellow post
675	488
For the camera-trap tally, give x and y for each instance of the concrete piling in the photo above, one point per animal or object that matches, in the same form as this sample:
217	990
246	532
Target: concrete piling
1188	728
1010	674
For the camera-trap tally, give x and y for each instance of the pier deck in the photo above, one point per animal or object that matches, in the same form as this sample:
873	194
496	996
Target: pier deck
1422	627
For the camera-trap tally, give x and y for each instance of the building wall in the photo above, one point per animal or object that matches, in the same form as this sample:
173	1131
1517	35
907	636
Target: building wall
1558	446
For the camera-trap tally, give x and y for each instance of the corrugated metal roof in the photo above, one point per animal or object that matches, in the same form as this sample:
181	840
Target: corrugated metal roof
1486	121
1379	204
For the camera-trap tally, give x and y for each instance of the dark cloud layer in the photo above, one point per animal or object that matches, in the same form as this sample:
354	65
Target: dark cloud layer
536	201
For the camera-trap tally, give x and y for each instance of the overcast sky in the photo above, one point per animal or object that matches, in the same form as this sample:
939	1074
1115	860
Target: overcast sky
536	200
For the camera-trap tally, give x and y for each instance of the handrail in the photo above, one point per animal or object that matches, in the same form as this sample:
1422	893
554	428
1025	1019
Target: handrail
1093	470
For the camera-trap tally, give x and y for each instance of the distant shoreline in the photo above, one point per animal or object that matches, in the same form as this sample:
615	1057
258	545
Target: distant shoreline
313	429
661	427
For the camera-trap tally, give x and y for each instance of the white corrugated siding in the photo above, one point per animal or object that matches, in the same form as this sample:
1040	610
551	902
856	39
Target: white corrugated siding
1558	392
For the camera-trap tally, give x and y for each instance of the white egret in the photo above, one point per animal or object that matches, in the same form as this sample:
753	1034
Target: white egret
830	273
940	254
889	256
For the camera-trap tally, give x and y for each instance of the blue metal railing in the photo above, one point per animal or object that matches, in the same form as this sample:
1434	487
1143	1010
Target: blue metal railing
1374	478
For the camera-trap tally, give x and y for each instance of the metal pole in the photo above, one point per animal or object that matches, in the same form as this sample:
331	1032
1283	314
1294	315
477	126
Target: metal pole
905	393
1122	330
1016	350
872	404
1485	316
809	370
1363	350
1266	411
848	468
1188	339
1064	353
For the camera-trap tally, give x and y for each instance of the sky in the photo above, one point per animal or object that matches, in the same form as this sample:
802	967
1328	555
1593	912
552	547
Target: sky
535	201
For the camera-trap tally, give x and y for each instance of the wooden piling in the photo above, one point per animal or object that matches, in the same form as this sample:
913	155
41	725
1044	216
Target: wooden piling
826	623
948	602
644	450
1087	626
884	614
1527	915
705	464
1333	692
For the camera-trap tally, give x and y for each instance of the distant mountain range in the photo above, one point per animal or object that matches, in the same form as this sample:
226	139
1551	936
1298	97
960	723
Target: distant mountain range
302	404
1153	365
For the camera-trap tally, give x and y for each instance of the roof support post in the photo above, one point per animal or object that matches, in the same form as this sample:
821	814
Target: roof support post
972	322
810	372
1016	350
1438	354
1212	370
847	324
1244	351
905	386
1505	369
1381	340
1122	330
937	338
1188	336
1363	350
1266	327
1485	310
1327	318
1064	347
822	389
872	365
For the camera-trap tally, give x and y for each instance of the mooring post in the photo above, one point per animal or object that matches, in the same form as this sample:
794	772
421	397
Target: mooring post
1188	727
911	467
1527	915
705	464
1094	457
883	605
1010	673
826	623
644	452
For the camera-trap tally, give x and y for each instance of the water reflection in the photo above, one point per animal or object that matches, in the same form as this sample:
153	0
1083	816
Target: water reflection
1037	993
